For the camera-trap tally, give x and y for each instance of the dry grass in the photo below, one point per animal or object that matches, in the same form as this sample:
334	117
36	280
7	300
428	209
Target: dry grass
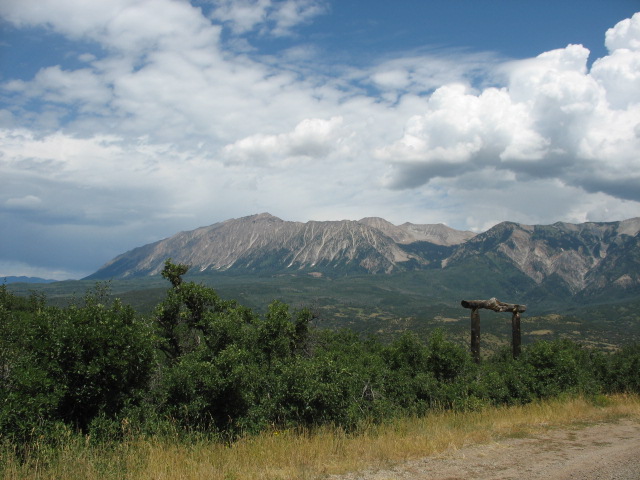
310	455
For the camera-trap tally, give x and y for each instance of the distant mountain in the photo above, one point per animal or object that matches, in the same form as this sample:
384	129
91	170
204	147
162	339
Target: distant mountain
266	243
409	233
587	256
561	259
23	279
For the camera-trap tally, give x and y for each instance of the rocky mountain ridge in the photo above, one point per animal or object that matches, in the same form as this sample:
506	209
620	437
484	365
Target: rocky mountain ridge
263	241
581	257
573	252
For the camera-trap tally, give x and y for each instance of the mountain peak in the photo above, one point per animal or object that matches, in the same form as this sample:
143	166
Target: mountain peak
438	234
263	215
256	217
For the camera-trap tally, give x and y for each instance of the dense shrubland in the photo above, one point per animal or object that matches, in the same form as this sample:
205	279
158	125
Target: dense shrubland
204	366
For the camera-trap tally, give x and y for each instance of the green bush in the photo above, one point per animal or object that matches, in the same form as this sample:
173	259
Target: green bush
224	361
204	393
71	364
312	392
200	365
503	380
622	372
433	375
560	366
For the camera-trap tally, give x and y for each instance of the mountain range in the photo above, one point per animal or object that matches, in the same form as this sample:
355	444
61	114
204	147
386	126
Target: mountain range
593	258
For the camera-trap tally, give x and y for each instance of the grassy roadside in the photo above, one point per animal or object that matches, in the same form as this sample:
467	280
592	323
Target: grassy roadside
289	455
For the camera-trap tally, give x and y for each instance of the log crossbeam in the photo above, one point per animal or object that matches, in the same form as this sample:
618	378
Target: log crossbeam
494	304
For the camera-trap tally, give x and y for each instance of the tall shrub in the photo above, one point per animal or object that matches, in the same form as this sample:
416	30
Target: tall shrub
71	364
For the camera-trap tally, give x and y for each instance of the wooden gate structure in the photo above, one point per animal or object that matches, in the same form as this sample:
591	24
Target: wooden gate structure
497	306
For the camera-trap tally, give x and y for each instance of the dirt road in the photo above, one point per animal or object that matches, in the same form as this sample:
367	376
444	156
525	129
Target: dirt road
606	451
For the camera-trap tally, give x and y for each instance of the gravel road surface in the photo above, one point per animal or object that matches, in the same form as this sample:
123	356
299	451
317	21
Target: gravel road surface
604	451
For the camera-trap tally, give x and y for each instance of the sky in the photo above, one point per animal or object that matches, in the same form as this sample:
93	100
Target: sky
123	122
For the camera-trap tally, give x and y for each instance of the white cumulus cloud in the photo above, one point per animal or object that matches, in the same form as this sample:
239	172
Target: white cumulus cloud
624	35
165	124
311	138
554	118
273	17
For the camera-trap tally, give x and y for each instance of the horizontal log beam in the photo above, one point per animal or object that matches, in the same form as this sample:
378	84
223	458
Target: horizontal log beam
493	304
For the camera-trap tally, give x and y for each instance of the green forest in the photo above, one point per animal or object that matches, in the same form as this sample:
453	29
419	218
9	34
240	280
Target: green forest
202	366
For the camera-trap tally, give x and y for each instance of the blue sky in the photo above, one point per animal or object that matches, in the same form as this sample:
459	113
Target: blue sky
124	122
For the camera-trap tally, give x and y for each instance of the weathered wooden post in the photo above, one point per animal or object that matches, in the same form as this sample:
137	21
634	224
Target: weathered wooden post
515	333
475	335
497	306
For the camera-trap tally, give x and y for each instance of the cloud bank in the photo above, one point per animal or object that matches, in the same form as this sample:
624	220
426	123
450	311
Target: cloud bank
167	117
553	119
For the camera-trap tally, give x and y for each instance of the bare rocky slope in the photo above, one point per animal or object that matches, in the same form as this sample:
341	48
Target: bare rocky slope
583	256
265	242
588	257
